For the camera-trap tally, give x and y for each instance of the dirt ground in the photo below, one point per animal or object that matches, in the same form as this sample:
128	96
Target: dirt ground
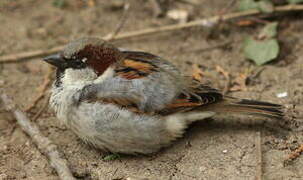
221	148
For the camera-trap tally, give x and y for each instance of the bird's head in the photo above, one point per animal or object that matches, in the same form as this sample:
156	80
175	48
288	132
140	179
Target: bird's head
85	59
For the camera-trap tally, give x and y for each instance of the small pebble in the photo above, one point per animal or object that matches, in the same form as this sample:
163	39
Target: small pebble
2	83
282	95
177	14
203	168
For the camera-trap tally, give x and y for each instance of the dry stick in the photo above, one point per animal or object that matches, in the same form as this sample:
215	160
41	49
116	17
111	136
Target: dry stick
42	109
47	147
228	7
43	88
259	156
29	54
121	24
190	2
201	22
202	49
157	10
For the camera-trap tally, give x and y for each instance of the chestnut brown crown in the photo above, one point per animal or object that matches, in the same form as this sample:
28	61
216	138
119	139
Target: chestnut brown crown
89	52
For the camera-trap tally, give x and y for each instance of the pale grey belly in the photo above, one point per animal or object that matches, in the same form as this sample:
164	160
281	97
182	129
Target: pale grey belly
111	128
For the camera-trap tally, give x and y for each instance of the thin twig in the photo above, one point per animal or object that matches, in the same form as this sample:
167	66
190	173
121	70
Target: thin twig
209	48
230	4
157	10
259	156
11	58
42	89
121	24
47	147
42	109
190	2
210	21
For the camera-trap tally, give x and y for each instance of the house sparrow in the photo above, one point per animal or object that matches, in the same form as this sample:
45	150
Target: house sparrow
133	102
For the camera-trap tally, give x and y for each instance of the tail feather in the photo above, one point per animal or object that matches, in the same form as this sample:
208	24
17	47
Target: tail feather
258	103
251	107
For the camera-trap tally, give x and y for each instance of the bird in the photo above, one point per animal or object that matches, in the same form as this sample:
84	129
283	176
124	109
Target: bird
133	102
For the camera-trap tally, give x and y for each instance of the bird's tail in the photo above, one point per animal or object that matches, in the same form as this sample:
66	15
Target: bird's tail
244	106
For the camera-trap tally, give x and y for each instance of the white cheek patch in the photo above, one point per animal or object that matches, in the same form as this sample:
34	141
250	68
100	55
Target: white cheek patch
78	76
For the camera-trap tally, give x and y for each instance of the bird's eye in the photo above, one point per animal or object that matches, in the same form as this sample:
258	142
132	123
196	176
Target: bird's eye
78	64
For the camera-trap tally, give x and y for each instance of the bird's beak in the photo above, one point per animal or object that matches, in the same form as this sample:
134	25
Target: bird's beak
55	60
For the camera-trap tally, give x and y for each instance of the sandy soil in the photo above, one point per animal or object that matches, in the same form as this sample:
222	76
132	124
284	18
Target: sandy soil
223	148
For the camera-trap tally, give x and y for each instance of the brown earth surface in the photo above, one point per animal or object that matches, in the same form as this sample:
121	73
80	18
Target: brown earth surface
223	148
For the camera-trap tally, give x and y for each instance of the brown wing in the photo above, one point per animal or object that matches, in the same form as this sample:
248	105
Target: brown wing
136	65
195	97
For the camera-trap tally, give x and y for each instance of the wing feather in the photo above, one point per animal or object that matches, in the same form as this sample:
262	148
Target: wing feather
136	65
195	97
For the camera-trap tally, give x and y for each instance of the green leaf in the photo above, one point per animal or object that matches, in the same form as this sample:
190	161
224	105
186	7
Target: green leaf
295	1
265	6
245	5
261	52
111	157
269	31
59	3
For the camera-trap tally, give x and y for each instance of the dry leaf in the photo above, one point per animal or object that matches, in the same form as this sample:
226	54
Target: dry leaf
239	84
294	155
222	71
227	77
197	72
91	3
245	23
